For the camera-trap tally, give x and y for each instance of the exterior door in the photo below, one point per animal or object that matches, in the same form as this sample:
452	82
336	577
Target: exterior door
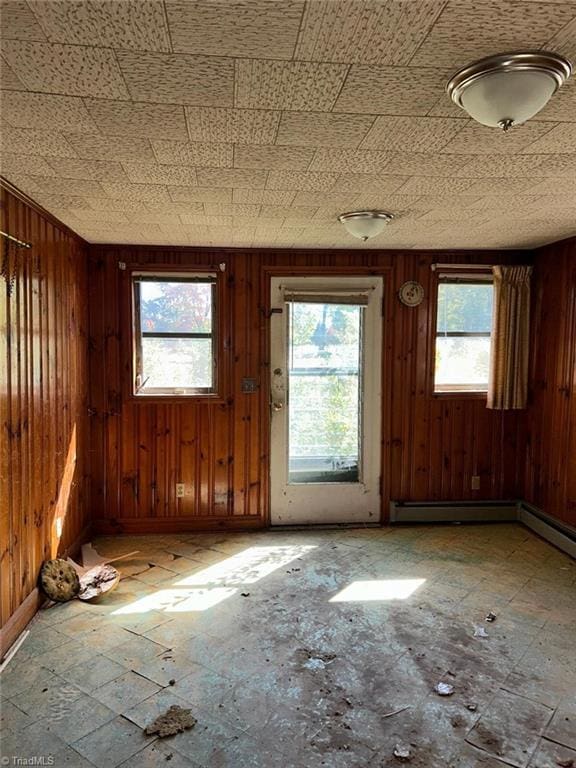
325	400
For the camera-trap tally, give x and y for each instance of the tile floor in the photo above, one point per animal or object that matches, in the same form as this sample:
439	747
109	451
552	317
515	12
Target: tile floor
295	649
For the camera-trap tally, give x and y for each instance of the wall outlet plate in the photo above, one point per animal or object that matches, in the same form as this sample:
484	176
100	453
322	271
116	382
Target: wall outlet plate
475	482
180	490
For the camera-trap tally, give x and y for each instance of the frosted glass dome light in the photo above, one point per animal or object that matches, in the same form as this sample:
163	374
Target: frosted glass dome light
508	89
365	224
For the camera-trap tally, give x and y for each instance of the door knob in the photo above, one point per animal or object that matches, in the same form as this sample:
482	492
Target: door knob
277	406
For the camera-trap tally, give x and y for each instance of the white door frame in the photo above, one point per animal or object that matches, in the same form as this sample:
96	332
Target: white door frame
326	503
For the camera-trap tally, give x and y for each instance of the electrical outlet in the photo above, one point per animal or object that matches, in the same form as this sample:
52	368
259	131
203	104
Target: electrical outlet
180	490
475	482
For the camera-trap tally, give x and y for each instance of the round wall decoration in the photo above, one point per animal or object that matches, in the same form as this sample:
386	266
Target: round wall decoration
411	293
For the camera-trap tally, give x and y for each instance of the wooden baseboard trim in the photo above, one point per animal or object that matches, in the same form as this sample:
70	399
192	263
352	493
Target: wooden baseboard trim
137	525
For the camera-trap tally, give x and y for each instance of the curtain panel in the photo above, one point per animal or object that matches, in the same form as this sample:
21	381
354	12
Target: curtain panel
508	381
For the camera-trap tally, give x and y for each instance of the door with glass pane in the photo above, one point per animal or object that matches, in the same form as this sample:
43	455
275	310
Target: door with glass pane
326	339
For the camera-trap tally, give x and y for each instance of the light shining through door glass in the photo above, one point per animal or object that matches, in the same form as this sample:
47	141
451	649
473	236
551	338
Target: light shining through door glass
324	392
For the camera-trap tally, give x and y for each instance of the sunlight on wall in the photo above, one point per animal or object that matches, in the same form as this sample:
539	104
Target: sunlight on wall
246	567
383	589
66	483
218	581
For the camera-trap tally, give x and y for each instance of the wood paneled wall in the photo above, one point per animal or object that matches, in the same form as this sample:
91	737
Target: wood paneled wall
43	399
548	458
431	446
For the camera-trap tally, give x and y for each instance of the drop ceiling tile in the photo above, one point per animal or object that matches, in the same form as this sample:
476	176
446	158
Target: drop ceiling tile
95	170
263	196
353	160
560	139
145	192
82	187
564	41
557	165
8	79
476	139
277	158
360	31
316	129
175	207
555	186
231	209
392	203
24	182
366	182
515	166
390	90
297	85
152	173
21	141
94	147
129	24
232	126
68	69
102	217
223	177
301	180
430	185
341	200
422	164
195	154
155	121
18	21
300	212
259	28
470	29
412	134
111	204
58	202
47	112
157	217
32	165
208	221
178	79
188	195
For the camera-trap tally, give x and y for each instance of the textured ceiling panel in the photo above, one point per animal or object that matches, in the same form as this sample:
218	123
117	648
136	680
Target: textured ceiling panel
125	118
390	90
470	29
176	79
46	112
260	28
256	122
233	126
365	31
297	85
314	129
68	69
128	24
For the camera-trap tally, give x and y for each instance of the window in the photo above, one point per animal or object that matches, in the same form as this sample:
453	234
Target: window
463	333
174	334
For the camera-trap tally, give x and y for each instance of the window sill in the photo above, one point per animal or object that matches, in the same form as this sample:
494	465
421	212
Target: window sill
171	399
467	394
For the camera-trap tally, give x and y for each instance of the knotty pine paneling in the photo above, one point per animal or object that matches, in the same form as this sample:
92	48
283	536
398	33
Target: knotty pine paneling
548	458
43	398
431	446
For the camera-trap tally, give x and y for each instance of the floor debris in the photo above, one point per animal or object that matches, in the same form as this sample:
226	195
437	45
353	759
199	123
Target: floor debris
59	580
97	581
444	689
472	707
490	616
175	720
402	752
480	632
396	711
565	763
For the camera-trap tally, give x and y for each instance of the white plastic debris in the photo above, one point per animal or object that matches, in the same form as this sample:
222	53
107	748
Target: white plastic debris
444	689
480	632
315	664
402	751
490	616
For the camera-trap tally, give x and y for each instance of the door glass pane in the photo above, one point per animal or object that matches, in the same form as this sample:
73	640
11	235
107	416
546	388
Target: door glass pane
324	392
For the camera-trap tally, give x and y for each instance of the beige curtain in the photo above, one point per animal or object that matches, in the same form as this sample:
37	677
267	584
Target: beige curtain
508	382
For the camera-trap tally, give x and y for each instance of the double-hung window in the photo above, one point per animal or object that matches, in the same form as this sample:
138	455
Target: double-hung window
463	333
175	345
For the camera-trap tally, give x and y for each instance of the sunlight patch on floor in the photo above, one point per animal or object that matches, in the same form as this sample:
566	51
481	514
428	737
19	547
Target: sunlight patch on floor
381	589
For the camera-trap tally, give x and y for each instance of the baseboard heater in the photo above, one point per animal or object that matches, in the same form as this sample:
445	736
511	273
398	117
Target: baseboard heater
560	534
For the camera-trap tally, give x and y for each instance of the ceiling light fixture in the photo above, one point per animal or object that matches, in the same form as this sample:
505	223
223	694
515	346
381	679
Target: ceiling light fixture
365	224
508	89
